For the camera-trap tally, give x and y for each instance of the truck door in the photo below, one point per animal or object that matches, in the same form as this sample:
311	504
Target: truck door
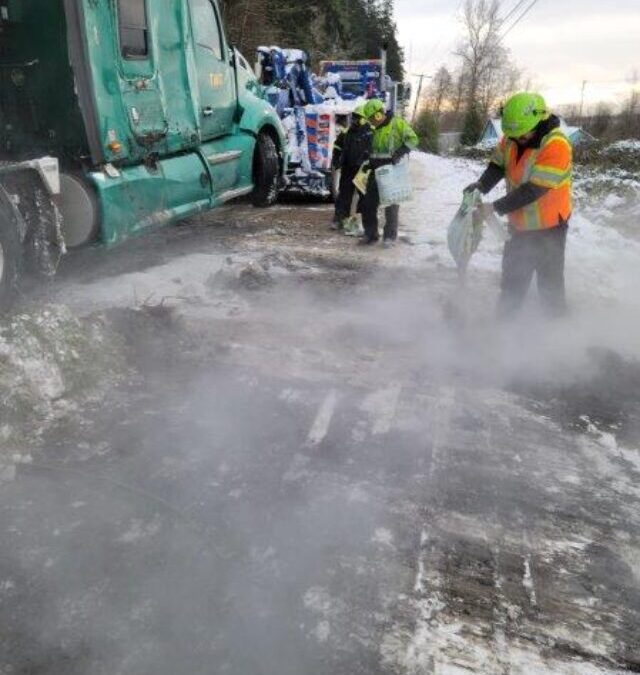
136	83
139	81
216	84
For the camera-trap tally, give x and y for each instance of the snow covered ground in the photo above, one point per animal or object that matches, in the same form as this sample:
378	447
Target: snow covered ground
592	248
296	461
603	270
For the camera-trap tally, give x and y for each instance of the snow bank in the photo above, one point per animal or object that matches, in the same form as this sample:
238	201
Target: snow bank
47	357
438	184
627	145
602	269
595	250
177	280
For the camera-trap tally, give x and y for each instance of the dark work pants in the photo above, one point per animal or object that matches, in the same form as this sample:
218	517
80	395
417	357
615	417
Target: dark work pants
346	190
542	252
369	206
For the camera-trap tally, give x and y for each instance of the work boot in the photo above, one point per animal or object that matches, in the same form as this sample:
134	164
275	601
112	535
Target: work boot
366	240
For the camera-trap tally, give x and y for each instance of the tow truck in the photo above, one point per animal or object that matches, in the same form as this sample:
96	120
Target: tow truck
312	105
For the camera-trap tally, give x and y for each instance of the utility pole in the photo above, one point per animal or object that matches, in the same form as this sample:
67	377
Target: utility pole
415	107
584	86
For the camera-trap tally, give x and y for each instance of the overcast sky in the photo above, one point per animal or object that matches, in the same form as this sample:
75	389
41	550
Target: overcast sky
559	43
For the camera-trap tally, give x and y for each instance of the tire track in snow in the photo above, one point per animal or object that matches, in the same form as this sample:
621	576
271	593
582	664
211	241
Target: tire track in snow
381	406
418	654
322	422
440	416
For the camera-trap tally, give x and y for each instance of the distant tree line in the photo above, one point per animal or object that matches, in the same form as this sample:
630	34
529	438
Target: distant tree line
461	99
608	123
336	29
464	97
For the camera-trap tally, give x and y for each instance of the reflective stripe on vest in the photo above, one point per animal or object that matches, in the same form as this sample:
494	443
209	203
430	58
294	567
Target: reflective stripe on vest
391	137
555	205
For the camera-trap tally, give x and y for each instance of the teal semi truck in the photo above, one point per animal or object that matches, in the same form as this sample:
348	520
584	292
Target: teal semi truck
118	115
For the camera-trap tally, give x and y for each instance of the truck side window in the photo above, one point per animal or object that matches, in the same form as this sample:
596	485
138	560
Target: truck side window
132	19
206	27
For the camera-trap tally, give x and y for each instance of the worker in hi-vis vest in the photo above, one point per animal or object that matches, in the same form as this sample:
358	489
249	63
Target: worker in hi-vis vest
535	158
393	138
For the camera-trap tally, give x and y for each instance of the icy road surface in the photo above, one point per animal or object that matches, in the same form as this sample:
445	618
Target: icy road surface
310	458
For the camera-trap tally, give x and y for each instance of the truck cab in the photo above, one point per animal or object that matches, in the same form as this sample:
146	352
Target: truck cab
149	113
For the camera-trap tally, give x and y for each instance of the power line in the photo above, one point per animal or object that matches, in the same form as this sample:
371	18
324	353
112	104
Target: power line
422	76
430	59
519	4
513	10
518	20
439	42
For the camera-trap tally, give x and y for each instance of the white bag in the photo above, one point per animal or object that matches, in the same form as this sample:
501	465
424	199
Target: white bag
465	231
394	183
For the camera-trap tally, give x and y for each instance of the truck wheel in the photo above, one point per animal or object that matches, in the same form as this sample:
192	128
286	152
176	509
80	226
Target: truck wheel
10	258
266	170
79	210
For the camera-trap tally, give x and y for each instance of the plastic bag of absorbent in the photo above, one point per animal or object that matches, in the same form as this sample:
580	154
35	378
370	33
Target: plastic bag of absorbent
394	183
361	181
465	231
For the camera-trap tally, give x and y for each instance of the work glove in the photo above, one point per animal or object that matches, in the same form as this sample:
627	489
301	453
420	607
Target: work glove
486	211
473	186
399	154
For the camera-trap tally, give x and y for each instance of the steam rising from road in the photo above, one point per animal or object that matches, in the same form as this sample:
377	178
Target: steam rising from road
341	471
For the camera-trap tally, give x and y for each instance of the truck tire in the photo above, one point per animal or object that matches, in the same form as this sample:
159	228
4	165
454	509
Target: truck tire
10	261
266	170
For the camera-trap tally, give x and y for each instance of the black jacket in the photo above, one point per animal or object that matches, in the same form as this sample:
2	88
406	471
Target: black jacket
356	147
528	192
336	158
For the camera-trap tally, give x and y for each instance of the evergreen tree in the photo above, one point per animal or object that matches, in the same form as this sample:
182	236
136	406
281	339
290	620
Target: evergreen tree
428	131
472	127
342	29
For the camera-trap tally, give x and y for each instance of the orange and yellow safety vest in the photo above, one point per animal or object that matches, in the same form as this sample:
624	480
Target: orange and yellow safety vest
548	166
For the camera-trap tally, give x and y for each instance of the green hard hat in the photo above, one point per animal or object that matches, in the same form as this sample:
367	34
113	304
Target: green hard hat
372	107
522	113
360	111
